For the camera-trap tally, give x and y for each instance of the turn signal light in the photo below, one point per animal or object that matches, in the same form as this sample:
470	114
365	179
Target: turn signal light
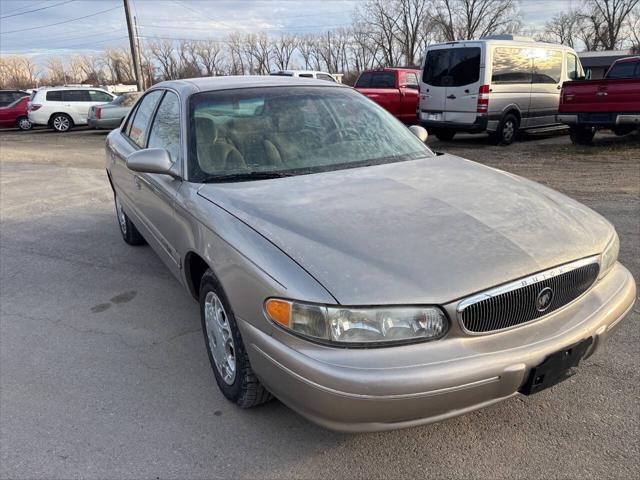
98	113
279	311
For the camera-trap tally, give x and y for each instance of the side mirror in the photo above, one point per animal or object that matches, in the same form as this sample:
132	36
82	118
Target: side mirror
152	160
419	132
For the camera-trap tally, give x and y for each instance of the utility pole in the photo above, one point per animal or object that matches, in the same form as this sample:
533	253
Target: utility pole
135	27
134	50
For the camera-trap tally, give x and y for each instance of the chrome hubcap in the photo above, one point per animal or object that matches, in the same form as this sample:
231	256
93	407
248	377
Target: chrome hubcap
219	337
61	123
24	124
508	130
122	219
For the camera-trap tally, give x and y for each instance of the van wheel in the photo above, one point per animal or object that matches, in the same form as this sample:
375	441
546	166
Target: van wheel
444	134
24	123
506	133
581	135
227	354
61	122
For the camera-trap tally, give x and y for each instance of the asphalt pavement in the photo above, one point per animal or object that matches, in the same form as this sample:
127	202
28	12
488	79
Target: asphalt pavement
104	373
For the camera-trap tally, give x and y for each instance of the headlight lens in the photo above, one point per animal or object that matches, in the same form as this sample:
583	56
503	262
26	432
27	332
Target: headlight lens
358	325
609	256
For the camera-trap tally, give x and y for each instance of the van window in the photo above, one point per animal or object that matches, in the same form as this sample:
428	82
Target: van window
54	96
511	65
547	65
622	70
452	67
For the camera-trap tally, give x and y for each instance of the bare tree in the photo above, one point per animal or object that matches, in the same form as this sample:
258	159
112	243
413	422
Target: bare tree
56	72
235	45
188	66
382	20
282	50
257	49
118	62
91	69
362	49
468	19
162	52
210	56
609	19
563	28
18	71
411	22
634	29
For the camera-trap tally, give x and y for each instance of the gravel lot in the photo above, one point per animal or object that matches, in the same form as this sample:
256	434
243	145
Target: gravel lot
104	374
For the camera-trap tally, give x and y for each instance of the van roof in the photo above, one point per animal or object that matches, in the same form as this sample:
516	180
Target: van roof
498	40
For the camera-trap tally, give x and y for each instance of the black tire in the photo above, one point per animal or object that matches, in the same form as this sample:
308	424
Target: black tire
245	390
581	135
130	233
623	129
23	123
61	122
507	129
444	134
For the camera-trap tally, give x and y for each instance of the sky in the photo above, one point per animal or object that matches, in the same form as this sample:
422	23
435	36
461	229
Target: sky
47	27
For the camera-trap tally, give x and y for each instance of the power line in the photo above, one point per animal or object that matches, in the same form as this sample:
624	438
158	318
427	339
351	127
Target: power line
65	21
37	9
23	7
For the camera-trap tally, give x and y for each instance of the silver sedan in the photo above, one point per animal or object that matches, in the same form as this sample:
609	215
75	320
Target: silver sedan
110	115
343	267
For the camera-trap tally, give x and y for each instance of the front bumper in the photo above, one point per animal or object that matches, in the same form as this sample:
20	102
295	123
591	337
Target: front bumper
387	388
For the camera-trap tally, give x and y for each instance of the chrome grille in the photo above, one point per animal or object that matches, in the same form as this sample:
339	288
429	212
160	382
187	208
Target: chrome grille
519	302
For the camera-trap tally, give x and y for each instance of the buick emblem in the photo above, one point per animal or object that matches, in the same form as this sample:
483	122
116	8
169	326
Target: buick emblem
544	298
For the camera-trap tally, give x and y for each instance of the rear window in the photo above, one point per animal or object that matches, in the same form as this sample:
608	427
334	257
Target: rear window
452	67
623	70
377	80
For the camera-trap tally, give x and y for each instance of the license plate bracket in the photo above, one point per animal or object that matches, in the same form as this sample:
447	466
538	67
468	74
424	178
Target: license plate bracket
556	368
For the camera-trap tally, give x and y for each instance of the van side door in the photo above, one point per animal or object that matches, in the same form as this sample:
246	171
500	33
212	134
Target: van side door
546	83
511	71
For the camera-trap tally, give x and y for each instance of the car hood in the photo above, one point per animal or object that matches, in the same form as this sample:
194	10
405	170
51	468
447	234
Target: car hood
424	231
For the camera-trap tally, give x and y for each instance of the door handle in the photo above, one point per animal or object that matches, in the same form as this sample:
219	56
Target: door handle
601	94
558	87
451	97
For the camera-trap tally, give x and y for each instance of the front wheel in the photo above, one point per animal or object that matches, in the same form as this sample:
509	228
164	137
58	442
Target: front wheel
444	134
227	355
24	123
61	122
506	132
581	135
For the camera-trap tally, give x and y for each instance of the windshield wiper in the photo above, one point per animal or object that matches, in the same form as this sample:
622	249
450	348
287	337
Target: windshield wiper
246	177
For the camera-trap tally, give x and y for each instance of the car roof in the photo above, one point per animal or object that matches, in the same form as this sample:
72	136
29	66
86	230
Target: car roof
66	87
628	59
208	84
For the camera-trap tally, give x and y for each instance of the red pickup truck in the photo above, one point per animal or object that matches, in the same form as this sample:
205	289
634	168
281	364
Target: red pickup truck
395	89
613	102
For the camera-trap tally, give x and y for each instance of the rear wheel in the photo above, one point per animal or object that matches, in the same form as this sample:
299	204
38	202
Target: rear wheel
623	129
24	123
443	134
506	132
227	355
130	233
61	122
581	135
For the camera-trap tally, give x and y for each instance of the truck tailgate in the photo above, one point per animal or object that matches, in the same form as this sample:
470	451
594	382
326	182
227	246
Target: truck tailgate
600	96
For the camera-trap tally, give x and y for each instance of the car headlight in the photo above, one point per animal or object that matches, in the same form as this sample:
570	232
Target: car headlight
609	256
363	326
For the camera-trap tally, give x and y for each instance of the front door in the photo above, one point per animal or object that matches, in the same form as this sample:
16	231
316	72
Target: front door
546	83
408	84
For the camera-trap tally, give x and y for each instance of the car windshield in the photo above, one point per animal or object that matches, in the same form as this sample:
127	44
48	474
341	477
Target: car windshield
15	102
267	132
126	99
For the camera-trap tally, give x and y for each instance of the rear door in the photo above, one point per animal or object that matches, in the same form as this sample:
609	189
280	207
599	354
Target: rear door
433	91
463	81
77	103
381	88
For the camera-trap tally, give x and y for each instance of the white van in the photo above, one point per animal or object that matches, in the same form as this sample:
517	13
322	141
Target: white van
498	84
61	108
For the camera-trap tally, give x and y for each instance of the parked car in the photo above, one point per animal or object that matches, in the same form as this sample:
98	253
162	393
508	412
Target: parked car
304	74
9	96
15	115
612	102
395	89
365	281
62	108
496	84
110	115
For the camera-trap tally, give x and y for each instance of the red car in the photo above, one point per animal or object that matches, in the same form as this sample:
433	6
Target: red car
613	102
15	115
395	89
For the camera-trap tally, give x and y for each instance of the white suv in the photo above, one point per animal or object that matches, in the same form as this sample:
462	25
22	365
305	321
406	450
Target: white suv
61	108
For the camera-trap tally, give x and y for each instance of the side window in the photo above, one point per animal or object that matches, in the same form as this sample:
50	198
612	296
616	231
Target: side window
165	131
76	96
364	81
547	65
98	96
638	70
511	65
324	76
572	67
54	96
411	80
306	75
142	117
383	80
